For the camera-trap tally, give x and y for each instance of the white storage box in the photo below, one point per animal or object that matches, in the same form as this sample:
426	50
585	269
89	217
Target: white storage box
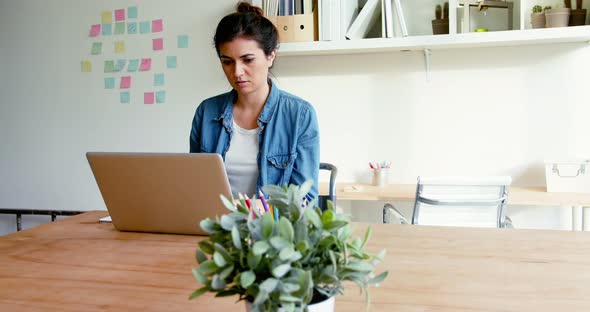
568	176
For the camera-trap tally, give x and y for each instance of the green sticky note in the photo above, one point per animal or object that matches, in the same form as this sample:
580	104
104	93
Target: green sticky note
109	83
171	61
145	27
96	48
183	41
132	28
132	12
109	66
119	28
120	65
158	79
107	29
133	65
160	96
125	97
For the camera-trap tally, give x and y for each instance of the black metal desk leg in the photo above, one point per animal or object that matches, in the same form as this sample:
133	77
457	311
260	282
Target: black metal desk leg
18	222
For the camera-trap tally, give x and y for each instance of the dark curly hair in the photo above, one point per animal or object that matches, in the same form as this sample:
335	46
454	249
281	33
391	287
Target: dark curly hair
247	22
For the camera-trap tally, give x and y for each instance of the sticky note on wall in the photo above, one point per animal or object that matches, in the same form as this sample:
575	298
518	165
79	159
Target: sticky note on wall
157	25
148	98
94	30
120	64
131	28
158	44
106	17
146	64
132	12
96	48
171	61
119	28
133	65
109	66
160	96
120	46
124	97
109	83
119	15
107	29
125	82
158	79
183	41
144	27
86	66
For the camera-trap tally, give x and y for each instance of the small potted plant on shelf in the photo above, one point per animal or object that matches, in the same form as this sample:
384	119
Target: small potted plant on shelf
440	25
538	17
286	256
578	16
558	16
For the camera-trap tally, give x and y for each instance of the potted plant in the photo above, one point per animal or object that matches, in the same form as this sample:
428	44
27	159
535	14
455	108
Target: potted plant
578	16
538	17
558	16
440	25
292	258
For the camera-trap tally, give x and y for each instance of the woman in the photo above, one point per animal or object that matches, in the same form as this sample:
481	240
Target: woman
265	135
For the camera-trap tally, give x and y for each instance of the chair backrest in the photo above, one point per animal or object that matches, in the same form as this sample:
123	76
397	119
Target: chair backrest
461	201
323	199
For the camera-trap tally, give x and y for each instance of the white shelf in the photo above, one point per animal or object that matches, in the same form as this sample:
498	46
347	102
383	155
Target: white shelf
420	43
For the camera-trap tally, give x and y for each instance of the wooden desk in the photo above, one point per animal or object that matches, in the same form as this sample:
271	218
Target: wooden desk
78	264
526	196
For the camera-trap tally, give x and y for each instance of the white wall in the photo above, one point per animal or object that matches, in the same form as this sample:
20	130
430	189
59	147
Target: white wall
484	111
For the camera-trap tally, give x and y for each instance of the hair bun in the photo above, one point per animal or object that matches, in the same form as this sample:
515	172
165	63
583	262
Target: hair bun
245	7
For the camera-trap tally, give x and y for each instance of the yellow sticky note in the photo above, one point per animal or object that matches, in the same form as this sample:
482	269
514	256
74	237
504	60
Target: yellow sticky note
86	66
107	17
119	46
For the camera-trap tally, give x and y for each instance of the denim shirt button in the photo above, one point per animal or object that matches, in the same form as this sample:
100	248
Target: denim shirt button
285	165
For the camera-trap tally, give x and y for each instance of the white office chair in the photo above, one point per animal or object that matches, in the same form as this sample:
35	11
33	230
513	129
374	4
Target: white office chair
462	201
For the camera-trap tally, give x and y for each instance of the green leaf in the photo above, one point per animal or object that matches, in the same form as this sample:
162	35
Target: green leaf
288	298
286	229
198	292
209	226
288	306
327	217
235	235
200	278
217	282
228	203
335	225
260	247
208	267
359	266
286	253
367	237
268	225
226	272
260	298
227	293
281	270
227	223
269	285
302	246
201	257
289	287
253	260
378	279
247	278
313	218
206	247
219	248
219	260
278	242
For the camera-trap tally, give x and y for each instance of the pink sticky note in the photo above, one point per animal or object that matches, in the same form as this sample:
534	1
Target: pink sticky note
148	98
146	64
120	15
125	82
94	30
158	44
157	25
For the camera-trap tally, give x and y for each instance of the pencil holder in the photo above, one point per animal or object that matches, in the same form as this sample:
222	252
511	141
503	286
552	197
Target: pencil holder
380	177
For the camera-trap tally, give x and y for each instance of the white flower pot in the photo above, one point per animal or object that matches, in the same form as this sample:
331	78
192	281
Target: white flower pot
324	306
557	17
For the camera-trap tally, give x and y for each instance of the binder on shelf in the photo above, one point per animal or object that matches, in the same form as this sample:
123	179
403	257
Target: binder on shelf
294	28
365	20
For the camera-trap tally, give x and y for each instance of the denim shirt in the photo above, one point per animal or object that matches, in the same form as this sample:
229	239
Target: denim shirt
289	148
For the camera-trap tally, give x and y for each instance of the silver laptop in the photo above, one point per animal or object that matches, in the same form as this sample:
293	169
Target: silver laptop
160	192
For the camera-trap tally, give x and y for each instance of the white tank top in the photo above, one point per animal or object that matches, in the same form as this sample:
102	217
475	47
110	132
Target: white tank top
240	161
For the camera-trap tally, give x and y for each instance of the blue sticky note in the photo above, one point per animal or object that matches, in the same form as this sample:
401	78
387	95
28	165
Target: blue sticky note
132	12
119	28
109	83
158	79
120	65
125	97
133	65
171	61
109	66
145	27
183	41
131	28
107	29
160	96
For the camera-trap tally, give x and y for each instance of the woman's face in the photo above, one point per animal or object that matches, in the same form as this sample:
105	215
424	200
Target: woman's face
245	65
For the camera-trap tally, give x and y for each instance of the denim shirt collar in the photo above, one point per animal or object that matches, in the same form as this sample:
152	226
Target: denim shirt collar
265	115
